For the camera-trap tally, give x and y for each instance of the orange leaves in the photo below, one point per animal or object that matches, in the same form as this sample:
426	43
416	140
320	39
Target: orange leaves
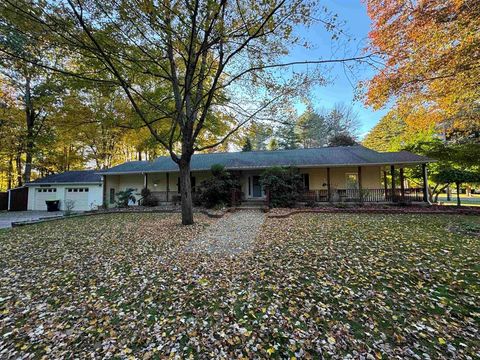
430	53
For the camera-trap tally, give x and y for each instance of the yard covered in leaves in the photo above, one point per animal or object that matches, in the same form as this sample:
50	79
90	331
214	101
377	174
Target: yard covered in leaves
312	285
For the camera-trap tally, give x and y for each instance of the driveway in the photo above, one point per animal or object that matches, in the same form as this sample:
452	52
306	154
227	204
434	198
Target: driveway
7	217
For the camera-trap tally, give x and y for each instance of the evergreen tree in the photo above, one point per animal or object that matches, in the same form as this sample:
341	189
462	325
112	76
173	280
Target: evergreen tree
248	145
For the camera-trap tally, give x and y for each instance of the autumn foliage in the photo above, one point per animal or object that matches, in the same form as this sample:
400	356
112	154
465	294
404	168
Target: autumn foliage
431	60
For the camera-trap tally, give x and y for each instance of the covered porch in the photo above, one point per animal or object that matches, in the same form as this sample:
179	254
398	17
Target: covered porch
393	187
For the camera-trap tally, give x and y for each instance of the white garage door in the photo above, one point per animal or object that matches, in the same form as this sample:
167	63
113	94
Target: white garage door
79	196
43	194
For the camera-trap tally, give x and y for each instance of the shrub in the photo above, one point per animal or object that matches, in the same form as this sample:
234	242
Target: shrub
69	205
283	184
147	198
217	190
124	197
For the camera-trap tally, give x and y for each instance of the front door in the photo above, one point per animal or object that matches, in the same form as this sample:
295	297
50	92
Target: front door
256	187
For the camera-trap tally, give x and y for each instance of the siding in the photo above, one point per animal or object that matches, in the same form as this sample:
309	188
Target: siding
94	195
371	177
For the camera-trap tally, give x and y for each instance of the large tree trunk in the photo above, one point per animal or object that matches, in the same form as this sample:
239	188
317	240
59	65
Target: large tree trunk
458	194
10	173
30	118
186	192
18	165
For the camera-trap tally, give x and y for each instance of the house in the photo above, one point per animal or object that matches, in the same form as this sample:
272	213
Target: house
345	173
83	187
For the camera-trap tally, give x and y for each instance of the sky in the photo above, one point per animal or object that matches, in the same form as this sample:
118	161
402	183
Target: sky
341	88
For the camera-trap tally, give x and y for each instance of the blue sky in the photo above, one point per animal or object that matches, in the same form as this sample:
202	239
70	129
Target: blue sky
339	89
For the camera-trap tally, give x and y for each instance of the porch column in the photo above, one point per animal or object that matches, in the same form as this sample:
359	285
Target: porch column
168	184
104	191
360	192
392	173
385	183
329	192
425	183
402	184
145	180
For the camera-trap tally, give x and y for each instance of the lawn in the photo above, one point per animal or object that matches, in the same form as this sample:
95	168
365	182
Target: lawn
313	285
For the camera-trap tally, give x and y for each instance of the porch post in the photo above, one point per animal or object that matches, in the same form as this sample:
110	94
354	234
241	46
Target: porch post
104	191
425	183
145	180
329	192
168	184
392	173
402	184
385	183
360	193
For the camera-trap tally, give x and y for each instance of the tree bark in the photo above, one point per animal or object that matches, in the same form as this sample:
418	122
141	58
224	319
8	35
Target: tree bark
10	173
186	192
18	164
30	119
458	194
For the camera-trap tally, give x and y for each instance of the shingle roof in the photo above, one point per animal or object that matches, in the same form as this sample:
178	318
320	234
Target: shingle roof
70	177
326	156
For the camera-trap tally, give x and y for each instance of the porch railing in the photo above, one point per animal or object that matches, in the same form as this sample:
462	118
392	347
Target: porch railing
364	195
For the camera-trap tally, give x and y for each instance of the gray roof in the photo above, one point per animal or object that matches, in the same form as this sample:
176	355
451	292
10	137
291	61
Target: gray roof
317	157
70	177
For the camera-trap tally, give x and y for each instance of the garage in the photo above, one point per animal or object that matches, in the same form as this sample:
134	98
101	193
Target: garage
43	194
82	188
79	196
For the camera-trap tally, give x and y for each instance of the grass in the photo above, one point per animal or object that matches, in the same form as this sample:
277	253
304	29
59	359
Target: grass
313	285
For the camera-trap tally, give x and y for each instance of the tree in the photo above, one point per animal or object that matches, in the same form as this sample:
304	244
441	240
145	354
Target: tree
183	65
248	145
455	163
458	177
341	140
317	128
313	130
430	60
35	91
287	136
259	133
387	135
273	144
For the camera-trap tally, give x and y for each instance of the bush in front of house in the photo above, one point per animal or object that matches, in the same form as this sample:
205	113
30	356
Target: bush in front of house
217	190
284	185
124	197
147	198
68	206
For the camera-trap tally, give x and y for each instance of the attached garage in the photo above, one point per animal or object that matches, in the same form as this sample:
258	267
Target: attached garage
41	195
79	195
83	189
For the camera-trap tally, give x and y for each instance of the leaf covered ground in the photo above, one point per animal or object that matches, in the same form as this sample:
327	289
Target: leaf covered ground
311	286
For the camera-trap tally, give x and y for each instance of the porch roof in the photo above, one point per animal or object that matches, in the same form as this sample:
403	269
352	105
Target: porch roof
301	158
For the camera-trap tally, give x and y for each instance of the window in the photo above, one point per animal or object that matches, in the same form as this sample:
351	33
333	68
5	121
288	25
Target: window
306	181
351	181
77	190
112	196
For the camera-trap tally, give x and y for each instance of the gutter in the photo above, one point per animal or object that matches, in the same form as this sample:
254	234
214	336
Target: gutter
63	183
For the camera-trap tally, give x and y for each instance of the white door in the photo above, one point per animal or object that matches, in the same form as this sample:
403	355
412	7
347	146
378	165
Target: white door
79	196
43	194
